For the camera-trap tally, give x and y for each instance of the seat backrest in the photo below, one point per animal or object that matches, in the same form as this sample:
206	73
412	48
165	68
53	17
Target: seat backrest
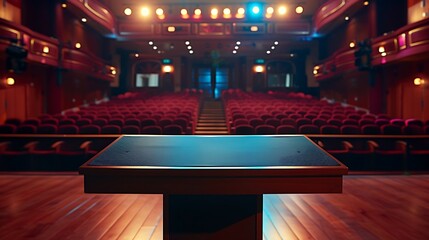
265	129
153	129
7	128
330	129
90	129
130	129
412	130
245	129
110	129
370	129
47	129
390	129
68	129
350	129
309	129
286	129
172	129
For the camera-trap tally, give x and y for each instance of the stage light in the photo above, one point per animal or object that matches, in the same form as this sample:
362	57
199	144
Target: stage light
155	47
214	12
238	43
136	55
187	43
234	52
299	9
189	47
191	52
418	81
255	10
78	45
258	68
236	47
197	13
159	11
167	68
276	43
366	3
227	13
10	81
254	28
270	10
84	20
381	49
128	11
346	18
240	13
282	10
45	49
150	43
145	12
171	29
268	52
352	44
184	13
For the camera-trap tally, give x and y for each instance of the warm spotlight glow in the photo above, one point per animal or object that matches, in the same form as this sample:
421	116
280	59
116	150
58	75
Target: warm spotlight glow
171	29
136	55
238	42
276	43
113	72
183	11
366	3
150	43
78	45
254	28
84	20
346	18
159	11
227	11
45	49
64	5
352	44
10	81
268	52
145	12
197	12
128	11
189	47
155	47
214	12
258	68
270	10
234	51
383	54
240	13
191	52
273	47
299	9
187	43
381	49
418	81
282	10
167	68
236	47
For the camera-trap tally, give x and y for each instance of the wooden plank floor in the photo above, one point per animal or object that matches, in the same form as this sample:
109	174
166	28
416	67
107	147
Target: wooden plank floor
371	207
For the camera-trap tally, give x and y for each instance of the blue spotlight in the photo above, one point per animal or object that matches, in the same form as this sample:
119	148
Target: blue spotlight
255	10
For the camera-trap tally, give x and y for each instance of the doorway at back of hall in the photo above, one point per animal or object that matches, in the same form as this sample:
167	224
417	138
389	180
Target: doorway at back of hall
212	80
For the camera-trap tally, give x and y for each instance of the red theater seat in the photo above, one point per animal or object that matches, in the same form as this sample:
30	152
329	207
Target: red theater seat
244	129
130	129
286	129
265	129
151	130
110	129
47	129
7	129
173	129
90	129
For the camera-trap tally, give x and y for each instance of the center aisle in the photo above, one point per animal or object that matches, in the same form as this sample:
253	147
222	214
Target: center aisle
212	119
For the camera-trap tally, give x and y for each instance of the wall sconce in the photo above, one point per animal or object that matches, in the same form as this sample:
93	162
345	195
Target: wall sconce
167	68
259	68
419	81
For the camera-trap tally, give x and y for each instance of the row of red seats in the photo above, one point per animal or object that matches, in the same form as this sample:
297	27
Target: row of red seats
129	114
369	129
